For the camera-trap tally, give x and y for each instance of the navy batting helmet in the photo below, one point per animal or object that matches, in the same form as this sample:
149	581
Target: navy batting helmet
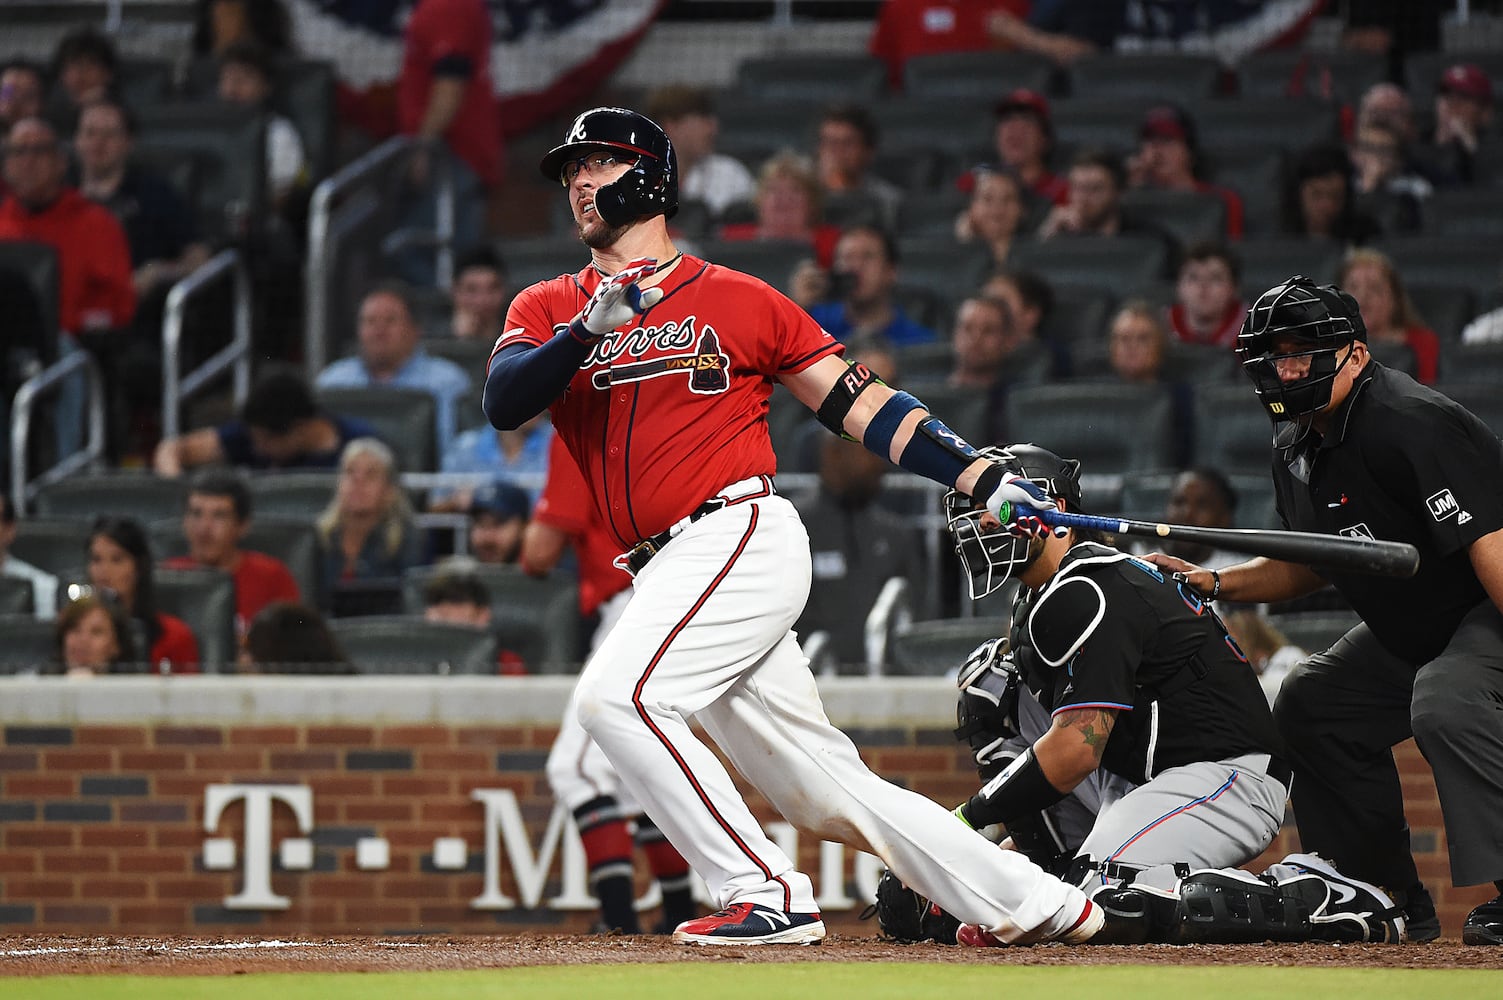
990	558
1298	319
649	188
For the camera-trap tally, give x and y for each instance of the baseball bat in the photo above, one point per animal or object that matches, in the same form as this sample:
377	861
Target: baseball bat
1337	552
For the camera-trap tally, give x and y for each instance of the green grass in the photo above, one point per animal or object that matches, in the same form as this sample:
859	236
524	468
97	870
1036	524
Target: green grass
817	981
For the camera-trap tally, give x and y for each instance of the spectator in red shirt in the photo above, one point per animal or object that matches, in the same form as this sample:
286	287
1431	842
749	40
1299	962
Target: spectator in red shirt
218	515
788	208
1169	159
445	96
908	28
1208	306
120	562
95	290
1388	314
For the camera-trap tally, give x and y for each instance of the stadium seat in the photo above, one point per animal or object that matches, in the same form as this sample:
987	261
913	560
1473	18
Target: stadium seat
129	494
1338	75
1232	433
752	128
1079	316
925	362
1254	172
966	411
1111	428
144	82
1287	123
925	306
912	170
292	494
536	619
812	77
1188	216
1466	214
771	260
29	646
951	270
1480	364
1313	631
532	260
785	415
1106	121
1268	261
977	76
950	126
1157	77
470	354
1446	309
1145	497
853	208
231	143
1120	264
205	599
17	597
936	647
931	215
294	541
406	644
306	89
29	296
403	418
1440	260
1201	364
58	545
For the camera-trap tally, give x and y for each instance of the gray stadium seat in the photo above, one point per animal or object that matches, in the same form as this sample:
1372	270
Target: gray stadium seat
1446	309
406	644
752	128
58	545
205	599
1188	216
1110	428
131	494
1120	264
934	648
1268	261
26	644
785	415
469	354
950	126
231	142
532	260
977	76
813	77
536	619
1287	123
1254	172
144	82
307	88
403	418
1156	76
920	362
1101	120
1145	497
947	268
17	596
931	214
1466	214
1441	260
912	170
1338	75
966	411
295	542
1201	364
1232	433
1079	316
771	260
292	494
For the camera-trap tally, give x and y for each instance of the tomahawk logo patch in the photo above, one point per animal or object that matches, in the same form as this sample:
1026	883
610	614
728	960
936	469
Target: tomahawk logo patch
706	365
1443	505
1358	530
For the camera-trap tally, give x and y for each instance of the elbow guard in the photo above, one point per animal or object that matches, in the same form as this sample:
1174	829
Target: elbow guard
856	380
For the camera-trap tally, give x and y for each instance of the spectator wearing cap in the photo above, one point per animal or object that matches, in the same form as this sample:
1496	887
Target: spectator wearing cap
518	456
846	148
1208	306
687	115
498	517
1463	112
1024	141
1169	159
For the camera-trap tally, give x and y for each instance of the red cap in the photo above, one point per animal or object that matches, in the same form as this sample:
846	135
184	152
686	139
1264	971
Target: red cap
1166	122
1029	101
1467	80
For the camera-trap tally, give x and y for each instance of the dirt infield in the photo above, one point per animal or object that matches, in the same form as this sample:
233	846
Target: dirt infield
44	955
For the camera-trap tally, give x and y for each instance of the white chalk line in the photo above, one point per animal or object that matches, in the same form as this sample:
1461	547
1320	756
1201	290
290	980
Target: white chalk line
206	946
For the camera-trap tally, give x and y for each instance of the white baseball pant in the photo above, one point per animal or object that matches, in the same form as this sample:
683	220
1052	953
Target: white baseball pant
577	769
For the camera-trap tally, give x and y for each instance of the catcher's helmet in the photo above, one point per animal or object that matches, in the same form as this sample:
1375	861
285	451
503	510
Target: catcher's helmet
1317	321
990	558
649	188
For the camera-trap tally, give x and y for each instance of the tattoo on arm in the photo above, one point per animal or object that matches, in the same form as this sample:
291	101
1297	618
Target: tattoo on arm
1094	725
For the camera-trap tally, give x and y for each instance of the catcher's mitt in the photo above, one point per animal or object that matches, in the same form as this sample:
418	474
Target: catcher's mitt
908	918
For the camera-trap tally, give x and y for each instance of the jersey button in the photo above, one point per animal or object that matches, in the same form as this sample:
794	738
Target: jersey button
621	397
615	450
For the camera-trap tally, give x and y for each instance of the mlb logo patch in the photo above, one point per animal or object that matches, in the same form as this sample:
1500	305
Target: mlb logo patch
1358	530
1443	505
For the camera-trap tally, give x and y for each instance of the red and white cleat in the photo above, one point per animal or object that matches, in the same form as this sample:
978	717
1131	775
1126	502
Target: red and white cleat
751	923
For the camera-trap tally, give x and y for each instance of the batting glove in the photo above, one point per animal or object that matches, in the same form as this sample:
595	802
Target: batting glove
1029	526
616	301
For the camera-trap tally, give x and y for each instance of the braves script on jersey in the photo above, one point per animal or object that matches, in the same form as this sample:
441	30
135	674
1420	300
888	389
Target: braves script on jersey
664	413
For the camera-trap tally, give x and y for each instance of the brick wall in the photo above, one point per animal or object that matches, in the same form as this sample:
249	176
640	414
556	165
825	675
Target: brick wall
102	825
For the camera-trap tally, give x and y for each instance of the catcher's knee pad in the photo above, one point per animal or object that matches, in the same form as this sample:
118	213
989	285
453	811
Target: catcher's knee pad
906	917
1230	906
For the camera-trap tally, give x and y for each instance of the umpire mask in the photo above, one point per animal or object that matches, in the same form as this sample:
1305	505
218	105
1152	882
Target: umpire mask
991	556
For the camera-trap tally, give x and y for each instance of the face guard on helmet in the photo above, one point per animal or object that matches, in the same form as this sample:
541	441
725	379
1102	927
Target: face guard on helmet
1298	323
648	188
992	557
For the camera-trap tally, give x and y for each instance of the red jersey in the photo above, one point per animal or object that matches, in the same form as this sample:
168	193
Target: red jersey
565	504
664	413
177	645
260	579
94	276
453	30
908	28
1226	331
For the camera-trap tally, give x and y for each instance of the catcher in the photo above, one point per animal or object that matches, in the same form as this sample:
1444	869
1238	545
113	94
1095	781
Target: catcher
1123	740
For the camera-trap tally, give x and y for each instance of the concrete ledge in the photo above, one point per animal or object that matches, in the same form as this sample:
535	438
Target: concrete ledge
503	701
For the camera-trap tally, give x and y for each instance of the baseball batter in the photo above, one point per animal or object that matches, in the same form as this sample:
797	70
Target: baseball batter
578	772
657	368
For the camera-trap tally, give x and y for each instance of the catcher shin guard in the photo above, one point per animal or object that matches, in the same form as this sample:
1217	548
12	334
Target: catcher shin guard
1352	911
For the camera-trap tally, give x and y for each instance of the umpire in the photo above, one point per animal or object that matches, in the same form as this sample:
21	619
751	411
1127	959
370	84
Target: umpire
1364	451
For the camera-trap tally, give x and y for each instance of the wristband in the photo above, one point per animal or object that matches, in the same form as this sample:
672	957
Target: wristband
582	333
1215	583
1020	790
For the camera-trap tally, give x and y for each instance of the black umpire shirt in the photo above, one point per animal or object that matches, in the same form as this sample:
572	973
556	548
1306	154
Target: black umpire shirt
1404	463
1112	632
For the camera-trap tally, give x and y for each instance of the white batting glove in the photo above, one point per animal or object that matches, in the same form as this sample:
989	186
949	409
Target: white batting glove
616	301
1020	497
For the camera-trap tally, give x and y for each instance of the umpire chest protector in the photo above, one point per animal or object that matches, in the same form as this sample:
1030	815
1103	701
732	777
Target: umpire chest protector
1111	632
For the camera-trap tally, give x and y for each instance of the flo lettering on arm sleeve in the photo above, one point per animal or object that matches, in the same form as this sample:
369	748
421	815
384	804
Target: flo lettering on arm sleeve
837	405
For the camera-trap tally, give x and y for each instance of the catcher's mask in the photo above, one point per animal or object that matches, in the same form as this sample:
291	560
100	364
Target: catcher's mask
649	188
1317	321
991	557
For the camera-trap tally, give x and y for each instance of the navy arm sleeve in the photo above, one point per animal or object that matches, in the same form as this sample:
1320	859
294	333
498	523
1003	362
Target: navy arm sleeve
524	380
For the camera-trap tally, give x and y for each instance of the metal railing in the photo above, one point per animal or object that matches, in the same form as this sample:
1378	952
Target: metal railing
49	379
177	387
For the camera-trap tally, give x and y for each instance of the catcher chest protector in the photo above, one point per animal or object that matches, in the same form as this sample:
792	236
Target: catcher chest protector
649	188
